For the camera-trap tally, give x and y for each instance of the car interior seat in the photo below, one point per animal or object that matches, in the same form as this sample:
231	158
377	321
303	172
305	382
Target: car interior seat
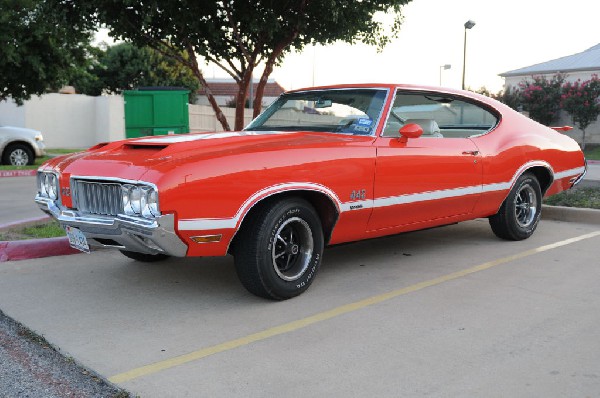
429	126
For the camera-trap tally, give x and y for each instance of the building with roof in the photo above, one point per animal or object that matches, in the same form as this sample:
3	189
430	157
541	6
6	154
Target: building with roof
577	66
226	90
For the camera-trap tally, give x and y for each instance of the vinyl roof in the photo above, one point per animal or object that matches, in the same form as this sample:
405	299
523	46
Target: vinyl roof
586	60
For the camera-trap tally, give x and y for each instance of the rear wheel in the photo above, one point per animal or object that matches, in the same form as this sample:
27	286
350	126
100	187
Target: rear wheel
279	250
144	257
519	215
18	155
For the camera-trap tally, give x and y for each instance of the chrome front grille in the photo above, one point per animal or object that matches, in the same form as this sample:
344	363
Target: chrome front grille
103	198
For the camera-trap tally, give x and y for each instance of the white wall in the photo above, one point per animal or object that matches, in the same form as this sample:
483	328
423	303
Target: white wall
513	81
202	118
69	120
223	99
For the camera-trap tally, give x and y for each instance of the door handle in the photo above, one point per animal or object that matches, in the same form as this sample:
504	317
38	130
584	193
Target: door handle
472	153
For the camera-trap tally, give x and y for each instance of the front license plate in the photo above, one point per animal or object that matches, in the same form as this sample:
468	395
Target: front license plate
77	239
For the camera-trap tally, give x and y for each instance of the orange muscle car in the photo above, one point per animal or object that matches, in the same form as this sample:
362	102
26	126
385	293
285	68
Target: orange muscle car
320	166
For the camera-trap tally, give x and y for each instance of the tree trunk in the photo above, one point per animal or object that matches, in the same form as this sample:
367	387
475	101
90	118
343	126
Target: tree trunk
264	79
240	105
583	140
213	102
193	65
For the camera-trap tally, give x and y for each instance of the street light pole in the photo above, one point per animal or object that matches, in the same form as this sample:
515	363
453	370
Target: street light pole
468	25
444	67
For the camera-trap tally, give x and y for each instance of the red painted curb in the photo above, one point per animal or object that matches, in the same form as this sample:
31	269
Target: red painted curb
35	248
18	173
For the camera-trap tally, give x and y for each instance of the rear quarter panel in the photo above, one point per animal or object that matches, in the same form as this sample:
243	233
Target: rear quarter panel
516	145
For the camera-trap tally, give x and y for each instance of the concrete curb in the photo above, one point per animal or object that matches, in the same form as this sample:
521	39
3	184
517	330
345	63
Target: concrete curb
35	248
24	223
571	214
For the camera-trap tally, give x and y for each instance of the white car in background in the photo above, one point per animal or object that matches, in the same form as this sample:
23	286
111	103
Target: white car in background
20	146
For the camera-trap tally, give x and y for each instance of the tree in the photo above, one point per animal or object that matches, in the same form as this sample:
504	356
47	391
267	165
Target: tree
510	96
580	101
125	67
40	51
237	35
541	98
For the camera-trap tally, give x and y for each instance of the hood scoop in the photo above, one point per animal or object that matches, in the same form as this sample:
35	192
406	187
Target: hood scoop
147	147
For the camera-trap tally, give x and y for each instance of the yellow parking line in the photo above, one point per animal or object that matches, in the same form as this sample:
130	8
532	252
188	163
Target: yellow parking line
323	316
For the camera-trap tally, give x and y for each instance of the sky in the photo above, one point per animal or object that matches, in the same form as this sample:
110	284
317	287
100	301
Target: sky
509	34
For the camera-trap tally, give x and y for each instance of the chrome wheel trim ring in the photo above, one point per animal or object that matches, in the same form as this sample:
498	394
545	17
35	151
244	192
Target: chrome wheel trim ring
525	206
292	250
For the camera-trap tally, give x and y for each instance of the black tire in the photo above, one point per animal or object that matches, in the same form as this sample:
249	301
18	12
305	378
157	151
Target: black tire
519	215
279	249
144	257
18	155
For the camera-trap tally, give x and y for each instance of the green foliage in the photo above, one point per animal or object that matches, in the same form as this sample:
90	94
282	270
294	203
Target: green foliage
126	67
49	229
541	98
580	100
511	97
592	152
238	35
578	197
40	50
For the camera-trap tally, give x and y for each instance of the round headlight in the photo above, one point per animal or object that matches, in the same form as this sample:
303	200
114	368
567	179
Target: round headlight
149	203
126	194
52	188
135	199
42	184
153	202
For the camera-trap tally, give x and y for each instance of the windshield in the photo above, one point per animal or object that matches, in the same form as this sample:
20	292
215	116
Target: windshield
346	111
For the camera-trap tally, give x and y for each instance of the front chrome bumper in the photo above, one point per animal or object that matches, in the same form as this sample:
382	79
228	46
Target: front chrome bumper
121	232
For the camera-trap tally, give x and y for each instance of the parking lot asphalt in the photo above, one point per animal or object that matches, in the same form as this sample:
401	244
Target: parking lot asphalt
451	311
17	200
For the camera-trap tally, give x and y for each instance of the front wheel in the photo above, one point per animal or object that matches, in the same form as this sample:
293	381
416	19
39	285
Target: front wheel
519	215
279	249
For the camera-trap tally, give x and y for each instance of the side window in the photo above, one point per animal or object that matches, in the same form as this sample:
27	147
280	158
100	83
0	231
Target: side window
440	116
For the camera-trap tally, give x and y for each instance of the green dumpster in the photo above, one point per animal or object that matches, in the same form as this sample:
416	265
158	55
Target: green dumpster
156	112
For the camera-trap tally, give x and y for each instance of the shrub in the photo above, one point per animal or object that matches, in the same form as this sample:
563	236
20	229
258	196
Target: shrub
580	100
542	97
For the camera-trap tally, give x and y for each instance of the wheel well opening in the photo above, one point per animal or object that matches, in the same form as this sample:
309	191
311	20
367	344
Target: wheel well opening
543	176
14	143
323	205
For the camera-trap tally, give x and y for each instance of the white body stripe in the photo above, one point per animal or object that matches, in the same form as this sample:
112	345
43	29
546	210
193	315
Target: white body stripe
225	223
232	223
569	173
175	139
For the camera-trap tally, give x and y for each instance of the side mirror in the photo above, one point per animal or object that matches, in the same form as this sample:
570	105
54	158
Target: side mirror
410	130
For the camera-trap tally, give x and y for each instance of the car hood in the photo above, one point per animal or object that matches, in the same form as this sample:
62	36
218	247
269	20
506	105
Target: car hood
18	131
131	159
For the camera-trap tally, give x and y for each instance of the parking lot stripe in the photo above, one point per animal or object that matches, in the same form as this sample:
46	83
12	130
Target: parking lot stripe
335	312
